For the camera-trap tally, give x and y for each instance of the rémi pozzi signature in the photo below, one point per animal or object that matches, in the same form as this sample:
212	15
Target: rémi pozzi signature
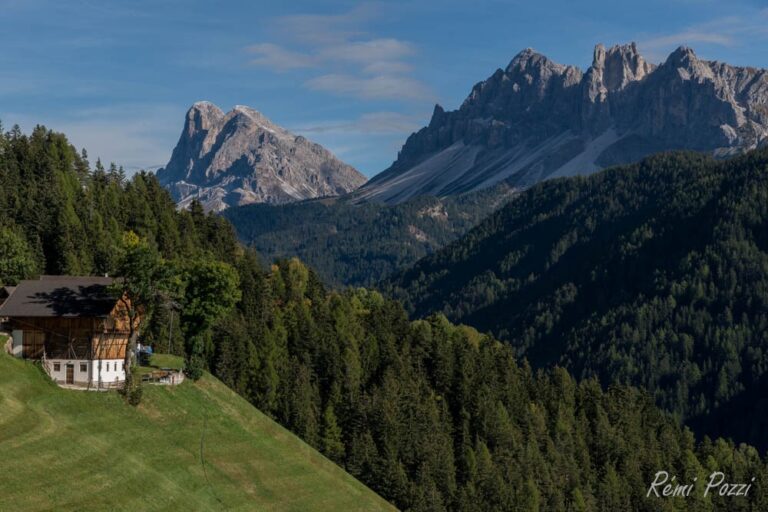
665	487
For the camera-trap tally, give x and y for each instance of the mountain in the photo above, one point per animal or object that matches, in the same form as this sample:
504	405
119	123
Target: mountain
359	244
654	275
197	446
241	157
428	414
537	119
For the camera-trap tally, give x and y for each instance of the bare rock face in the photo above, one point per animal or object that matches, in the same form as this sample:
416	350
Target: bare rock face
241	157
537	119
612	71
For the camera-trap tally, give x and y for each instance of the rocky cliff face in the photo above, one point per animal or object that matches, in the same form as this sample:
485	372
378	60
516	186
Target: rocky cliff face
241	157
537	119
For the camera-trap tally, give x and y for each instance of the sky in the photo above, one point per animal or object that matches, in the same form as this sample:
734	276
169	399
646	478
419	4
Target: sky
358	77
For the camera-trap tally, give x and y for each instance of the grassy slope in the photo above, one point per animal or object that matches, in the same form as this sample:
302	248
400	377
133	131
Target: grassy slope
75	450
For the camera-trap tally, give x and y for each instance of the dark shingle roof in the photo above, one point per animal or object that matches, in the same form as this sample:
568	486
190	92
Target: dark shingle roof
60	296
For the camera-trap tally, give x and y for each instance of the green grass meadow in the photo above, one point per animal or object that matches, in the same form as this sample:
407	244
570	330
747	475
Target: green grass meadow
75	450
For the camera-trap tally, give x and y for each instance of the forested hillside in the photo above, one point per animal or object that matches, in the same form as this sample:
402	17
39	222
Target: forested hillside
60	216
654	274
435	416
430	415
361	244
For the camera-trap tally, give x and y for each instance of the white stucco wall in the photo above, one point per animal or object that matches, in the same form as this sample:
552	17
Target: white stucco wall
18	337
111	370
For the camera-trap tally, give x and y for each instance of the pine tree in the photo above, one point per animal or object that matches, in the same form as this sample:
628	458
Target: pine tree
332	445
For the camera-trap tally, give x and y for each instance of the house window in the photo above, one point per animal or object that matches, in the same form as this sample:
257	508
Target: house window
107	366
57	367
83	367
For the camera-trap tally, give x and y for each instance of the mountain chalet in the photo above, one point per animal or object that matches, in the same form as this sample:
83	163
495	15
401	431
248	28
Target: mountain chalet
75	326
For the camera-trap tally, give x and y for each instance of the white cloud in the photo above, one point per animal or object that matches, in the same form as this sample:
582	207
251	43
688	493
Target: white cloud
688	37
325	29
371	51
727	32
278	58
376	55
346	59
387	68
380	87
374	123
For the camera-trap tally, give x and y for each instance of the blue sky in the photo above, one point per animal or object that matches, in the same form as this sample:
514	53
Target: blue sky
117	77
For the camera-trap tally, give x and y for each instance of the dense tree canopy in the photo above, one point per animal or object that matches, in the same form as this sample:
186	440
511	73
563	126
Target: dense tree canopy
361	244
655	275
209	289
435	416
74	218
17	260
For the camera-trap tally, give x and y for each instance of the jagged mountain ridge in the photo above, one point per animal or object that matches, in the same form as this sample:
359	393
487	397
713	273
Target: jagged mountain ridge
241	157
538	119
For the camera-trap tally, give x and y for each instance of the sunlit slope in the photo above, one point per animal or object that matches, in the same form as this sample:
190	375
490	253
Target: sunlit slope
74	450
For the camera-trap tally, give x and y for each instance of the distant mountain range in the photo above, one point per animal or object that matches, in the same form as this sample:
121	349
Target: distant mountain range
538	119
241	157
534	120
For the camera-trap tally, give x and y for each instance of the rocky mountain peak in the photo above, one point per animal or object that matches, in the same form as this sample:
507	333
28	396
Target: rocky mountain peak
250	113
202	115
613	70
437	115
538	119
681	57
534	65
206	107
525	59
619	65
684	64
242	157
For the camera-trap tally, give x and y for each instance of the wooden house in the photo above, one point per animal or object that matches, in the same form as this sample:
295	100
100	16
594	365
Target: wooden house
74	325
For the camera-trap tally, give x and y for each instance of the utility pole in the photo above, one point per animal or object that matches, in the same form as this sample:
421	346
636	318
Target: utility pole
172	306
170	332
